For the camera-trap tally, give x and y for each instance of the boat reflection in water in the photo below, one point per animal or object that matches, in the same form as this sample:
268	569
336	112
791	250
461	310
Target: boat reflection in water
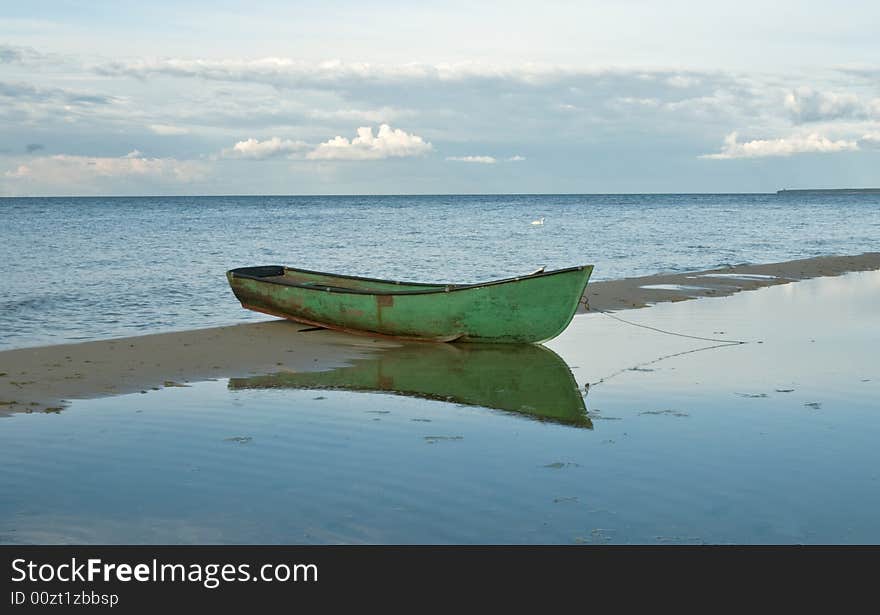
523	378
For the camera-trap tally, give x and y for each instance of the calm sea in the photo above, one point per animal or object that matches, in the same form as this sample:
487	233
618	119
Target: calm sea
89	268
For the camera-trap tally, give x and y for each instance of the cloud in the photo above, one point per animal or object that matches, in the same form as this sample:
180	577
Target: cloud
388	143
25	104
64	169
867	72
474	159
297	73
644	102
378	116
464	110
484	159
253	149
808	105
682	81
25	91
798	144
168	129
15	54
870	140
455	101
335	74
9	54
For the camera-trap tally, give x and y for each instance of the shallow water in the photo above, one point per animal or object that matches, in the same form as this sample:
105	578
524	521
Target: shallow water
90	268
772	441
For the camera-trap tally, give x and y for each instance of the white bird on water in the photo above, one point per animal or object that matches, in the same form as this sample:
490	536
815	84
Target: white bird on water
538	222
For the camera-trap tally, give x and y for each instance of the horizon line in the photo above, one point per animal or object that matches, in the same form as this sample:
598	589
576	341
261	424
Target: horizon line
424	194
390	194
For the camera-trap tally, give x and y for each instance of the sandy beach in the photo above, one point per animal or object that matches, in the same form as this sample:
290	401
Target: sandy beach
640	292
44	379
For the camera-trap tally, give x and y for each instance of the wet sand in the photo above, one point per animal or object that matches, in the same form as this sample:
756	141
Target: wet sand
43	379
631	293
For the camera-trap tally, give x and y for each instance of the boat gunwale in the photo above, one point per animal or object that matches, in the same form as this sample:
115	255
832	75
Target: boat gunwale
444	288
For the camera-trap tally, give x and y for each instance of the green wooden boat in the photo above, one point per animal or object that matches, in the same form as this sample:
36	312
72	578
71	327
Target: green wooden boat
525	379
527	309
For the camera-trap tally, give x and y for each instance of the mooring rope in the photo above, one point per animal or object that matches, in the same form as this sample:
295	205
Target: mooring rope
720	344
588	385
586	303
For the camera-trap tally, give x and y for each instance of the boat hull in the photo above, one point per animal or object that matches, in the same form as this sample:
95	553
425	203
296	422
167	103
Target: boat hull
529	309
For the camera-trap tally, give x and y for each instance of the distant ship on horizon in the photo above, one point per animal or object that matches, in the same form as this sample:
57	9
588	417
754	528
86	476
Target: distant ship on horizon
786	191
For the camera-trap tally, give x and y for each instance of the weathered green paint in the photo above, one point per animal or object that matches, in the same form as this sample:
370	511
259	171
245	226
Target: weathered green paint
523	378
532	308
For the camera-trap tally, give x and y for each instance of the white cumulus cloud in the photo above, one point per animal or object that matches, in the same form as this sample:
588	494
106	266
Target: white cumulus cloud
254	149
387	143
785	146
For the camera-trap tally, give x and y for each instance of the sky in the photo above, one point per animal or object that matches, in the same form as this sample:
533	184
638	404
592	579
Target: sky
379	97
